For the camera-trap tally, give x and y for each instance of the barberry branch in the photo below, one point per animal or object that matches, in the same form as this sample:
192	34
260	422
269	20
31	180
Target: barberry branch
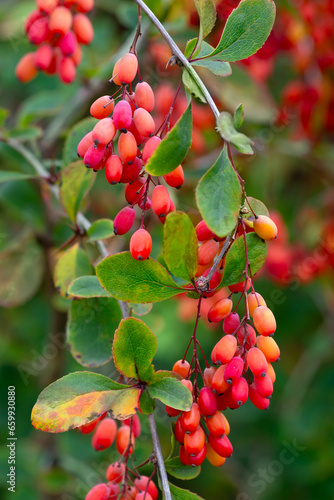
178	54
159	457
84	223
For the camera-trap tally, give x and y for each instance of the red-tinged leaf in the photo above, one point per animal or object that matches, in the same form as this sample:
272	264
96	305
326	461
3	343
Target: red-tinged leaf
79	398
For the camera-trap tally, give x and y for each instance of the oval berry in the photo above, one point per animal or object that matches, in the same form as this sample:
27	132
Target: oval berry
123	440
160	201
124	220
216	424
127	147
182	368
60	20
190	420
144	96
225	349
234	370
257	362
115	472
194	441
105	434
114	169
265	227
83	29
175	178
264	321
104	131
99	492
150	147
220	310
239	391
143	482
141	244
102	107
127	68
222	445
254	300
122	115
231	323
207	402
144	122
94	155
26	69
203	232
269	348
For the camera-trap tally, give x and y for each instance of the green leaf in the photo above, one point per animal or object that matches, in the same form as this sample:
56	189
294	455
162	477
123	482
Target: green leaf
134	348
76	181
21	271
193	295
180	494
191	85
236	258
225	127
238	116
147	404
173	149
24	134
70	153
214	64
177	469
100	230
246	29
218	196
136	281
160	374
7	176
87	287
258	207
180	246
207	14
140	309
90	330
79	398
70	265
172	393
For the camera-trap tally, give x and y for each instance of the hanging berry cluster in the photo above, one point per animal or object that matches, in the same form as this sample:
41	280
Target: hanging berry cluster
122	144
242	359
58	28
122	481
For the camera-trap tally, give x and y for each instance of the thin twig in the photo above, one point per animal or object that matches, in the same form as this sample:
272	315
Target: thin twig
180	56
159	457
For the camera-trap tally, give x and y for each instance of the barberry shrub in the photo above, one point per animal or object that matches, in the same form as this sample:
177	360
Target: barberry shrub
215	260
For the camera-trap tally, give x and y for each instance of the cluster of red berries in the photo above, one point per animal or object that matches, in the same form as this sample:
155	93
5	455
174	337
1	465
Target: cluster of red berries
122	144
195	445
120	483
58	28
242	360
241	356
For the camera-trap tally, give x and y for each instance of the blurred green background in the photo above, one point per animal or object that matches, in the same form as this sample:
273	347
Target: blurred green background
291	172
